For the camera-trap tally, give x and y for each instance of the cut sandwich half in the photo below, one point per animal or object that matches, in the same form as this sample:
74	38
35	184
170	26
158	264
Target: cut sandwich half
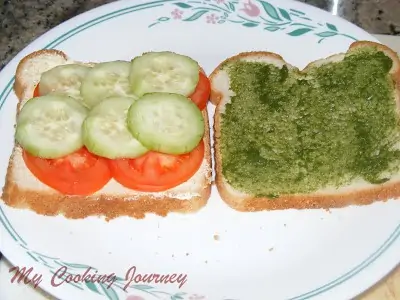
110	139
324	137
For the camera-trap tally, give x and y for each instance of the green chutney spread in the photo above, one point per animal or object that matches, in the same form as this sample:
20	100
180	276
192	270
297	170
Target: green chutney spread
288	132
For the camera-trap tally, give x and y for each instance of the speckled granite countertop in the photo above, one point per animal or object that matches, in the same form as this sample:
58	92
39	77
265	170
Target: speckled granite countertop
24	20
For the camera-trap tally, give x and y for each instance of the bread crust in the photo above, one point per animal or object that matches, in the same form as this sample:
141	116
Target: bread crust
19	84
248	203
110	206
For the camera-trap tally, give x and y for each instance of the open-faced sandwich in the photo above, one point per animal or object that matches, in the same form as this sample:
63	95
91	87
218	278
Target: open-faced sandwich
324	137
112	138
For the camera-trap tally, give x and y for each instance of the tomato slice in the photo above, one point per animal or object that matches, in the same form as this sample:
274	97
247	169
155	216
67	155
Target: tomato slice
202	92
36	91
80	173
155	172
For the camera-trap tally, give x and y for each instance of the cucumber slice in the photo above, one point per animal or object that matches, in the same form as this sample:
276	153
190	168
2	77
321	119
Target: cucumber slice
163	72
165	122
105	132
63	80
51	126
109	79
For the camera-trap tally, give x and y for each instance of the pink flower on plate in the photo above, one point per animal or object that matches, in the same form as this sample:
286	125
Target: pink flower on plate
220	1
251	9
132	297
177	14
196	297
212	19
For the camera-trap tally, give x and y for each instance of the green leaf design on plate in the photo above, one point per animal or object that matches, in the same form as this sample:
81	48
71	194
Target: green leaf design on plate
299	31
142	287
231	6
270	10
163	19
33	257
196	15
42	255
182	5
92	287
249	24
331	27
297	11
326	34
285	14
177	296
302	24
305	18
271	28
109	292
76	266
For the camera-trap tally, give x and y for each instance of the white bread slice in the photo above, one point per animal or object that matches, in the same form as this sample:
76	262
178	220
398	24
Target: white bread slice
23	190
358	192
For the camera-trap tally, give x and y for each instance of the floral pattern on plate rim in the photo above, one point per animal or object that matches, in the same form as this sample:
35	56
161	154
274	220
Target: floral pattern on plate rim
251	14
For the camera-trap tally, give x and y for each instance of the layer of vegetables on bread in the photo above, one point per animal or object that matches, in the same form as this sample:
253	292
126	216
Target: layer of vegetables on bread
325	136
139	122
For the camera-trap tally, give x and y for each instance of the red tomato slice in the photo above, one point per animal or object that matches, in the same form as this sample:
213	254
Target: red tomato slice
80	173
155	172
36	91
202	92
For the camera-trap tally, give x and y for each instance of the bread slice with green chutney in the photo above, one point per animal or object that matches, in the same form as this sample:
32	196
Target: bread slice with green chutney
327	136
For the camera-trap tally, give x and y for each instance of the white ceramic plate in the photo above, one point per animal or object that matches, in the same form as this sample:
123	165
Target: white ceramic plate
267	255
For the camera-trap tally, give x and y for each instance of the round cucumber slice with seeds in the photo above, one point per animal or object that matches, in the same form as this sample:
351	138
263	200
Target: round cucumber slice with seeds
163	72
63	80
105	132
167	123
108	79
51	126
